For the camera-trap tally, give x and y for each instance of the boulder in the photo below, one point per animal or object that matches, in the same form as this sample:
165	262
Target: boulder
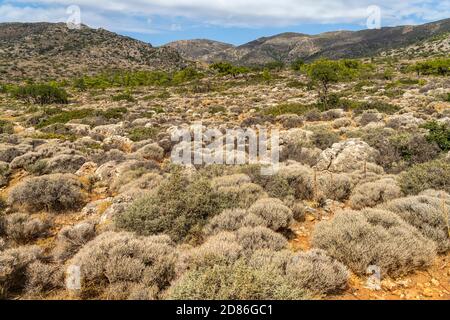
346	156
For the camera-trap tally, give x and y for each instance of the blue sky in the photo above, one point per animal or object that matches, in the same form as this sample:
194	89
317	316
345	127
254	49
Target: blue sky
232	21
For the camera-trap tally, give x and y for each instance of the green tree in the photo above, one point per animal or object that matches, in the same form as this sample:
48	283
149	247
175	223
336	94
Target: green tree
298	65
325	72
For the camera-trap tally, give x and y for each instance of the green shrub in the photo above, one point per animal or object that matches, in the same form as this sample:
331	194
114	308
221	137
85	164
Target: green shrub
324	139
226	68
399	151
61	116
429	175
124	96
438	66
65	116
178	208
439	133
185	75
142	133
298	65
447	97
6	127
41	94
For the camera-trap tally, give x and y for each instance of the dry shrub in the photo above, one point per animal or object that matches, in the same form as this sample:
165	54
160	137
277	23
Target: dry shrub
237	189
300	180
324	138
139	178
316	272
230	180
252	239
273	212
299	211
429	214
42	278
21	227
334	186
374	237
290	120
221	249
294	180
370	194
232	220
237	281
263	274
71	238
430	175
241	196
312	271
114	258
55	192
13	266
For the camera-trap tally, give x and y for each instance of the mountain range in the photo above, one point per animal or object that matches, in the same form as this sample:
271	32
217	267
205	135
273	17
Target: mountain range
287	47
53	51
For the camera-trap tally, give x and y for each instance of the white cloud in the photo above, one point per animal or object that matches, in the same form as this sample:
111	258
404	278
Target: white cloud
134	14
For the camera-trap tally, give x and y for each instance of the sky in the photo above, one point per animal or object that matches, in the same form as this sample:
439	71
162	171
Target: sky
232	21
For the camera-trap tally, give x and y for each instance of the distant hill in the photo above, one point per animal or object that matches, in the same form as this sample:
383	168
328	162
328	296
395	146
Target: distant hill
198	49
287	47
48	50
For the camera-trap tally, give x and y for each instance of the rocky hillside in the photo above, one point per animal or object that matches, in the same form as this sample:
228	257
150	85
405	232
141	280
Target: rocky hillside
287	47
436	46
198	49
46	50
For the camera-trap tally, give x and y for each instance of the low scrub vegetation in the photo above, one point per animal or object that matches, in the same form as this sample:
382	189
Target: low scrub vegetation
439	66
117	266
55	192
179	208
374	237
429	175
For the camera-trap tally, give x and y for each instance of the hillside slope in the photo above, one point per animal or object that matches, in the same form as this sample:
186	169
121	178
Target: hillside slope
46	50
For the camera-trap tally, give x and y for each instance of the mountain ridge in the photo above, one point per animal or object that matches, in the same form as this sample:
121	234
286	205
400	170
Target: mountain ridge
289	46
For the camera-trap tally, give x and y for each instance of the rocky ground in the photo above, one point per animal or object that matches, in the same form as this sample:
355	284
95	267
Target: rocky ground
70	174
